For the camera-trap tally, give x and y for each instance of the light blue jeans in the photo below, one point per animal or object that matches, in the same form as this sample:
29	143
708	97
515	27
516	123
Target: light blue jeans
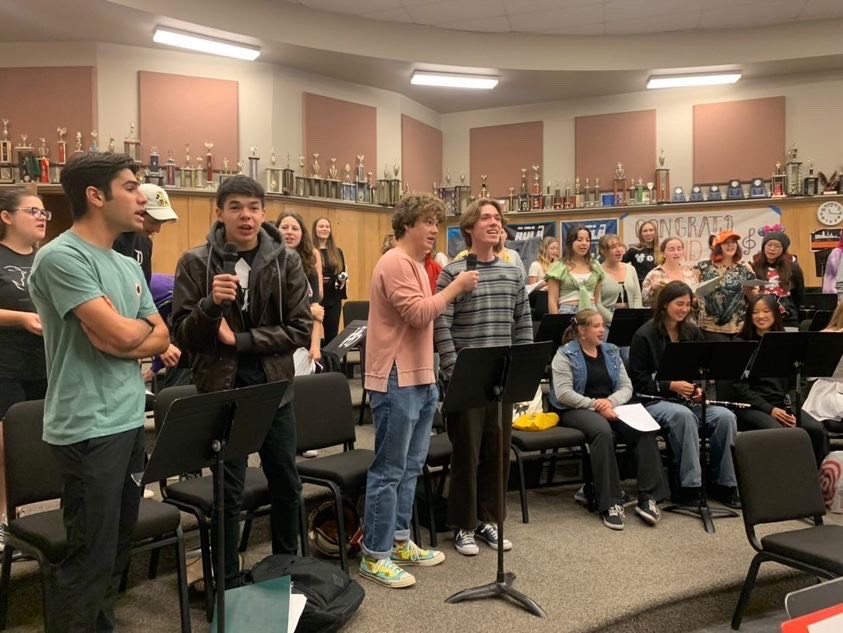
402	418
682	426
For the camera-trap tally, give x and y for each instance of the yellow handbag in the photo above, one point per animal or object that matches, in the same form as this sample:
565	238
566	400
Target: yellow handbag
535	421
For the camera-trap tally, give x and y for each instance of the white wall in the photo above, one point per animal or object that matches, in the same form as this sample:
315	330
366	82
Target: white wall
812	106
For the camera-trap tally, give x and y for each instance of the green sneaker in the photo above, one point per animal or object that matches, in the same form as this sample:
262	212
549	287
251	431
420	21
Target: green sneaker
408	553
385	572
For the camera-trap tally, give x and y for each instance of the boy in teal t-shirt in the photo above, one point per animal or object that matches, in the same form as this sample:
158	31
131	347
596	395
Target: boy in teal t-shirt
98	319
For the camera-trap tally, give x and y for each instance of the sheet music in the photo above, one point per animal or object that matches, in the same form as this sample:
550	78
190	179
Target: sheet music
706	287
636	416
539	285
297	602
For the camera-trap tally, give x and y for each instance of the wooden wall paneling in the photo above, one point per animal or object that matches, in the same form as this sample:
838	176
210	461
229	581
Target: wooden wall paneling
179	109
738	139
604	140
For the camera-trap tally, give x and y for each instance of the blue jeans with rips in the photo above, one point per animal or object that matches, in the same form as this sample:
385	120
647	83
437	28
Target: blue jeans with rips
682	426
402	418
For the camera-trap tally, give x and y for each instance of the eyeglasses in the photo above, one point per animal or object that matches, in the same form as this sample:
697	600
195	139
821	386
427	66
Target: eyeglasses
37	213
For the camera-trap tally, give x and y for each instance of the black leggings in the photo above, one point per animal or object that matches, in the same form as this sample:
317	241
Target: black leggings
332	321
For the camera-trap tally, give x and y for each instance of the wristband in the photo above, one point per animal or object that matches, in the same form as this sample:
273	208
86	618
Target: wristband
148	322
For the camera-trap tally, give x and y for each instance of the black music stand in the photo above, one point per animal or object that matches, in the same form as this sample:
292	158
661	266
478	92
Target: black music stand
552	328
625	323
482	376
205	430
813	354
698	361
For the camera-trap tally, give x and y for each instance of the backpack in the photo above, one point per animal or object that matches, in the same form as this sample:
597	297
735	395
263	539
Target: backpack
322	526
332	595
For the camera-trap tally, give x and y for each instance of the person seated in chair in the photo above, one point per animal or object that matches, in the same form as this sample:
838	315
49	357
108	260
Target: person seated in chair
589	381
677	408
768	397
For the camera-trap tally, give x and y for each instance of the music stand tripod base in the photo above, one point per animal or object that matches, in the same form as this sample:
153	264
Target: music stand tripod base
483	375
703	511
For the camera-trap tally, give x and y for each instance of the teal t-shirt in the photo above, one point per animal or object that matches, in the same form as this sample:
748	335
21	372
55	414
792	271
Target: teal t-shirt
89	393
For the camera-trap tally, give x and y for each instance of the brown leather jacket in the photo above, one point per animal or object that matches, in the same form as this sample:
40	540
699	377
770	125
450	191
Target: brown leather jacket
278	307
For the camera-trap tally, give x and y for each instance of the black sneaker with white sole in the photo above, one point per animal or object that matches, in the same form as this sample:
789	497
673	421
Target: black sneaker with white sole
648	511
613	517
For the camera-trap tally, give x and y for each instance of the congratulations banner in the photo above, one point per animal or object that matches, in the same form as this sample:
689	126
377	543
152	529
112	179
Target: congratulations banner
695	225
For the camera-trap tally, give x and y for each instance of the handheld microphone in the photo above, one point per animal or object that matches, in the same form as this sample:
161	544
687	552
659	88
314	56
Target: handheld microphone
229	261
470	264
229	258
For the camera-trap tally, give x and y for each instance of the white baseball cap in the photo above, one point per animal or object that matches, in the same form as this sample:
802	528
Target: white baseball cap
158	203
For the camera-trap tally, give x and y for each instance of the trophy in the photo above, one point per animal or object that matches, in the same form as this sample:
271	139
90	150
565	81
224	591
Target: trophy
536	190
370	184
186	171
714	193
598	202
77	144
631	193
93	147
43	161
812	183
734	191
662	181
757	189
523	195
462	194
131	144
557	202
579	198
511	201
678	195
332	184
348	190
448	195
395	186
274	182
778	182
484	188
170	170
640	193
649	193
793	174
253	162
5	145
154	162
696	194
209	163
383	187
300	180
619	187
362	192
28	166
61	146
111	144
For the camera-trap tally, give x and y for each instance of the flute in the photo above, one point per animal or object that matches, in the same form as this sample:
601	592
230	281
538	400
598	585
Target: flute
691	403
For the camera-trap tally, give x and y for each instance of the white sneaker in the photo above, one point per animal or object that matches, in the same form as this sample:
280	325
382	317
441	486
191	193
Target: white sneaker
310	454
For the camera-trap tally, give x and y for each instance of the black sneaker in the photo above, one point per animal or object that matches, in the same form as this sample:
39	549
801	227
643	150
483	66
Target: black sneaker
613	517
648	511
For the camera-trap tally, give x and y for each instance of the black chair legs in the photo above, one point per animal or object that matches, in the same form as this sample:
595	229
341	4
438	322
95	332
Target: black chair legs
5	578
748	585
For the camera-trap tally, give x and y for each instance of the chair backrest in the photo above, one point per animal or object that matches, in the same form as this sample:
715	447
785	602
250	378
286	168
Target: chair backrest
31	471
777	476
166	397
355	311
324	416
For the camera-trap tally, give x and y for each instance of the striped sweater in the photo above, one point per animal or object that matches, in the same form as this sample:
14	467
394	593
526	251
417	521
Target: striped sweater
497	312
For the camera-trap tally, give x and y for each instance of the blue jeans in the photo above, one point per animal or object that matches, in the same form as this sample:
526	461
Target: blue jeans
402	418
682	426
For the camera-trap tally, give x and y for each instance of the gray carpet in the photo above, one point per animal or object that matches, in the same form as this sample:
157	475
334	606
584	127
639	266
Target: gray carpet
672	577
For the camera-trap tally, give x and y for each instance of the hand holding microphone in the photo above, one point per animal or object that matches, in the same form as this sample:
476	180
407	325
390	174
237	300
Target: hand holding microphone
224	285
468	279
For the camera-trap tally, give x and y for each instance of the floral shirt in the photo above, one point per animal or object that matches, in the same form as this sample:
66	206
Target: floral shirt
723	310
657	278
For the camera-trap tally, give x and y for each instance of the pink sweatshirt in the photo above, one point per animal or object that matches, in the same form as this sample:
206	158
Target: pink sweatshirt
401	314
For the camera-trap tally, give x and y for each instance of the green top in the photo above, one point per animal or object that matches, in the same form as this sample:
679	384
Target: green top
562	273
89	394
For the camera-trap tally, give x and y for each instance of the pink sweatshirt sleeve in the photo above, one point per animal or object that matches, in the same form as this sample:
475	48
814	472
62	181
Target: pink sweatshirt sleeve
404	283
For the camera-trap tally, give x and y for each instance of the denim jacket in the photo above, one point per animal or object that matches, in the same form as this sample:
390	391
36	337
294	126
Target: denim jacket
569	377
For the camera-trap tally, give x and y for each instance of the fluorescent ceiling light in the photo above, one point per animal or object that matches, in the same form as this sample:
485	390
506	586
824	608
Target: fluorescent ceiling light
683	81
453	80
204	44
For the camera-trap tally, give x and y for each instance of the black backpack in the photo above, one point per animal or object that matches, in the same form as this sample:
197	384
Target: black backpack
332	595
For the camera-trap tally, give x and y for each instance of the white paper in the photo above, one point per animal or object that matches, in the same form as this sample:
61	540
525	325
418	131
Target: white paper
296	608
637	416
704	289
834	624
539	285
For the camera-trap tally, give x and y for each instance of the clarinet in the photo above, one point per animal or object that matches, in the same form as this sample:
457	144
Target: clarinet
688	402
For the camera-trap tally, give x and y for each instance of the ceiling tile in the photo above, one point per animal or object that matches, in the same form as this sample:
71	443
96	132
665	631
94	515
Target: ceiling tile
617	10
655	24
358	6
455	10
749	15
390	15
514	7
492	24
598	28
557	19
821	9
